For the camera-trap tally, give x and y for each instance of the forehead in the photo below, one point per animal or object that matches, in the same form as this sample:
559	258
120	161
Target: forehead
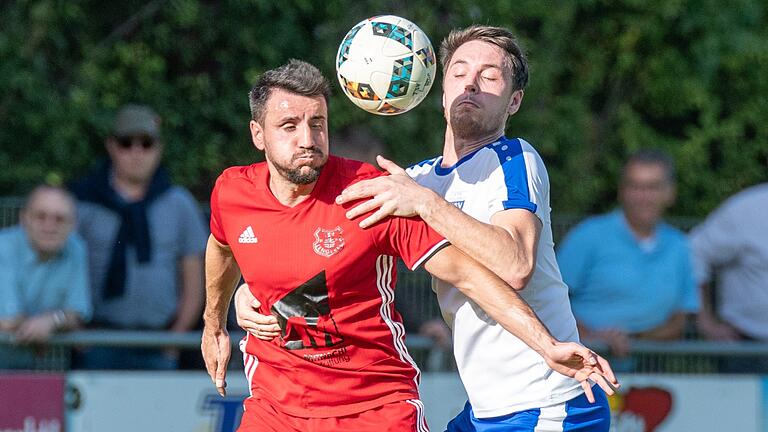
282	103
645	170
51	201
478	52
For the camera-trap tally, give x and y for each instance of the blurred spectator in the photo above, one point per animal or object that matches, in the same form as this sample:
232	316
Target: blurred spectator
415	322
732	243
145	238
630	274
43	275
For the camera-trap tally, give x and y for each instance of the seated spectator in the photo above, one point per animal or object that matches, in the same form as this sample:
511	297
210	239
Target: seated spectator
733	244
145	238
43	275
629	273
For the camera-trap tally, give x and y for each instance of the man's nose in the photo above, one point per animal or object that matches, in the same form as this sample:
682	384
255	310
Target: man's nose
306	139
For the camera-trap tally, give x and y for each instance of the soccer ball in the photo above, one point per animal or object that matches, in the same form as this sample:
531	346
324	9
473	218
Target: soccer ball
386	65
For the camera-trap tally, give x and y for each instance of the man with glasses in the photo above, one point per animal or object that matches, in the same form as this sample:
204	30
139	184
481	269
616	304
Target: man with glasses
43	275
146	237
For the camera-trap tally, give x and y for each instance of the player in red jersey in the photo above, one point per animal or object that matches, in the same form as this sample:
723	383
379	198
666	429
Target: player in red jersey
340	361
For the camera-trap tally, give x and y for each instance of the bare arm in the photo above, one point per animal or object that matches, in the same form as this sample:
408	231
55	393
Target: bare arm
507	246
671	329
191	298
707	322
221	275
506	307
39	328
617	340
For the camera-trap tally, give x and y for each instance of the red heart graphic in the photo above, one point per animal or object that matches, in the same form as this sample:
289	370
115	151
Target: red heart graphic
652	404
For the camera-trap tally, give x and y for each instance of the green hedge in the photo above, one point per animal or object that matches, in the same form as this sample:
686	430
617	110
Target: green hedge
608	77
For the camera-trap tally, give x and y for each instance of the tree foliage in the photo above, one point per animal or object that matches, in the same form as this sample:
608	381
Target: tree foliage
608	78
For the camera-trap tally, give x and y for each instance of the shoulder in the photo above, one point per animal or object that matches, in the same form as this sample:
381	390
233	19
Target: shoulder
516	154
348	171
75	245
236	180
595	226
180	194
9	239
242	173
750	199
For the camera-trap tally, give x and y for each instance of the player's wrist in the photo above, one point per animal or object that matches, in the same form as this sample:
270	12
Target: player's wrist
214	323
547	347
428	205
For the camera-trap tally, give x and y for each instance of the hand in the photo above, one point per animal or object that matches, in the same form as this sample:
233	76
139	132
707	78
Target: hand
393	195
577	361
438	331
35	329
713	329
247	306
216	350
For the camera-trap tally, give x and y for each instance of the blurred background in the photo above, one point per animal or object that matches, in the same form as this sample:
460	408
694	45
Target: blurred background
608	78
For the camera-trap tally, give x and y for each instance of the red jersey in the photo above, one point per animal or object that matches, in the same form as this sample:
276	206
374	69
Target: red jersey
331	286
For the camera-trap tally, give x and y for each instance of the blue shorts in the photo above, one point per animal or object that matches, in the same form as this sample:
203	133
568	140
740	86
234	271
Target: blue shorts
576	414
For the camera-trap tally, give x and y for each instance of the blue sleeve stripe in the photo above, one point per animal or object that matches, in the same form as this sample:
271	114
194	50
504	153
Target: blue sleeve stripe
512	161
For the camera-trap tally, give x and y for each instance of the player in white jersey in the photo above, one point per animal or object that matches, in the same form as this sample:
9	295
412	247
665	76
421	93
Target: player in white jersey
489	196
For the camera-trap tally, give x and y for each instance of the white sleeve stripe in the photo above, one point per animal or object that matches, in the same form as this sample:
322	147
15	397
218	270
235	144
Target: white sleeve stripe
443	243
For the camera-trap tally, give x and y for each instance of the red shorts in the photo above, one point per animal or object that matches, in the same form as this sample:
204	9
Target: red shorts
401	416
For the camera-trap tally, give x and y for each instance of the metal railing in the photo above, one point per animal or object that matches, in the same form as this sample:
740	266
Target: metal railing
694	356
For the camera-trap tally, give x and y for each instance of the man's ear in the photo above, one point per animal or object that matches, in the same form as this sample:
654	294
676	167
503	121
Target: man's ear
257	134
515	101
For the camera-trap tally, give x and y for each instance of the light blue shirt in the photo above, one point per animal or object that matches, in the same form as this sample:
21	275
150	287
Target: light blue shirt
618	282
30	287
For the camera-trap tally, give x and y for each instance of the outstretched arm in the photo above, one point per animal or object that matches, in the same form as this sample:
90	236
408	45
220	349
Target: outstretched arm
221	275
507	245
506	307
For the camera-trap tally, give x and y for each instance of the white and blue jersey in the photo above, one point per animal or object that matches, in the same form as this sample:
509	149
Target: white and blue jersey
501	374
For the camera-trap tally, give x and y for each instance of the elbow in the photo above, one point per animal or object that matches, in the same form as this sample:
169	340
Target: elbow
518	278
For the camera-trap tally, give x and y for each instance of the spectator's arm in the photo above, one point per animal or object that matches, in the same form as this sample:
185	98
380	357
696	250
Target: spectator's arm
617	340
8	324
672	329
707	322
76	307
191	296
11	312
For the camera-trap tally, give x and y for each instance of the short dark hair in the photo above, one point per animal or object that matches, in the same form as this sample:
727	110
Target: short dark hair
651	157
296	76
515	60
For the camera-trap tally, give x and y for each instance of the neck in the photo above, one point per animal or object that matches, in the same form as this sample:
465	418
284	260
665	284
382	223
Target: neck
640	229
43	256
287	193
456	148
131	189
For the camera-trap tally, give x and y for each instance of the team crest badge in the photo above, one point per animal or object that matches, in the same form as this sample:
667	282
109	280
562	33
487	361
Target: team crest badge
328	242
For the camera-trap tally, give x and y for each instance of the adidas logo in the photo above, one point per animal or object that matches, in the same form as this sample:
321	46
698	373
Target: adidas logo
247	236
